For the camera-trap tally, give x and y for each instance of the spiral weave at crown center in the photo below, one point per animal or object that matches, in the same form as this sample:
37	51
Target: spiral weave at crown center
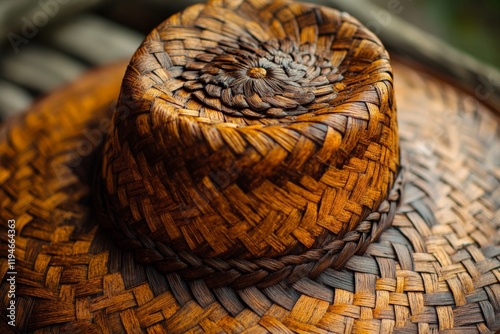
249	130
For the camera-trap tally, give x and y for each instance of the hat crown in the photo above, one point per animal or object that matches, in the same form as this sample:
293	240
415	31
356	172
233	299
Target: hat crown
241	136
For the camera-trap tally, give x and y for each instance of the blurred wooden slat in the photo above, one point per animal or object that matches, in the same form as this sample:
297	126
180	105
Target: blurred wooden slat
95	39
13	99
15	13
11	14
40	68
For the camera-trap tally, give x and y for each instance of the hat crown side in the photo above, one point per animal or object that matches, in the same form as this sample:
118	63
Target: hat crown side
247	131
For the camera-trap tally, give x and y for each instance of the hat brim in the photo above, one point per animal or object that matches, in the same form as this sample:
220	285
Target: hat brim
436	268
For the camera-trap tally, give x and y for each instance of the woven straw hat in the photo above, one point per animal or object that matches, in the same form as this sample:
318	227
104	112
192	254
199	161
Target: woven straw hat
252	178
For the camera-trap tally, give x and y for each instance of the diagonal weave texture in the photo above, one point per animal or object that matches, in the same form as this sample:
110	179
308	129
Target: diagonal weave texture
250	130
436	268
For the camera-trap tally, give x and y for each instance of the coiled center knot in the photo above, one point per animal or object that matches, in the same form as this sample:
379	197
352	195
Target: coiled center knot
272	79
257	72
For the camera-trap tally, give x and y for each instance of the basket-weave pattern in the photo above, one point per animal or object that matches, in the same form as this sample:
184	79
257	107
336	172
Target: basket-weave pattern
436	269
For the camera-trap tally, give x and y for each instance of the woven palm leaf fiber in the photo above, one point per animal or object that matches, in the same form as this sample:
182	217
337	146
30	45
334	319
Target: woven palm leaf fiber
252	178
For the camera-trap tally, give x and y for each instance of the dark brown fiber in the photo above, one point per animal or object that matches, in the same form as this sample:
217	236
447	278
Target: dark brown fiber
252	177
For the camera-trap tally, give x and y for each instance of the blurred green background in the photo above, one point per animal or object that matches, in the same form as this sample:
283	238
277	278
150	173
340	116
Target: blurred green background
472	26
